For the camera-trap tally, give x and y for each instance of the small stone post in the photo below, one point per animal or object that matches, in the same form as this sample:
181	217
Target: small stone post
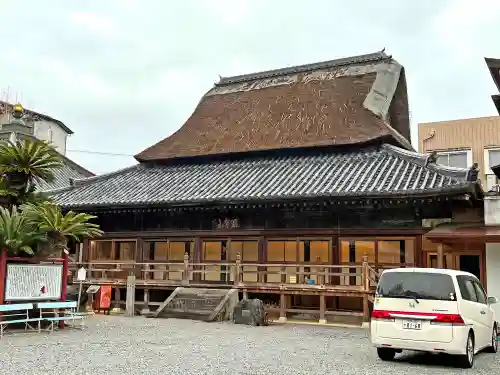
237	272
185	273
283	306
145	307
130	297
322	309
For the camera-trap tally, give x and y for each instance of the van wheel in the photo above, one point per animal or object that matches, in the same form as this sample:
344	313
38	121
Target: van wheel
386	354
467	360
493	348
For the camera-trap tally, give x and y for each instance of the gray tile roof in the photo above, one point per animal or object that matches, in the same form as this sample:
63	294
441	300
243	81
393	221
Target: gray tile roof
374	172
71	170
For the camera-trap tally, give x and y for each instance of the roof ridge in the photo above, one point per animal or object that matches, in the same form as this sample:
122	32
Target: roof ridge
365	58
420	159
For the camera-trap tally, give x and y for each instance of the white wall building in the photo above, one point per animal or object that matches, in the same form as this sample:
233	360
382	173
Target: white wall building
45	128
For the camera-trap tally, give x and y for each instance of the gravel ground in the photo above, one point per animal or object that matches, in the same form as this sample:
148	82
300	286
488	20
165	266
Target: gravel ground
119	345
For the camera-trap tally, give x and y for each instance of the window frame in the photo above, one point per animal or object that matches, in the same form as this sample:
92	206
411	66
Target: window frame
487	168
376	240
93	250
467	151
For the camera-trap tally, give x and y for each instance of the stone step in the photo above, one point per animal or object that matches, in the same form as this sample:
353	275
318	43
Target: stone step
199	304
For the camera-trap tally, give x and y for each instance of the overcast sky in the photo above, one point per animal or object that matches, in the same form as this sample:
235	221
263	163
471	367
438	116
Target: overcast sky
123	74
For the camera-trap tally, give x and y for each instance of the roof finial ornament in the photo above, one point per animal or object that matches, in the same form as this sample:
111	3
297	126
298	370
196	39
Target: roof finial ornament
383	50
17	111
431	158
17	114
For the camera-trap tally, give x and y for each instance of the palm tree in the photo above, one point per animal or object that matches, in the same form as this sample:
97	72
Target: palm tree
22	164
17	235
59	227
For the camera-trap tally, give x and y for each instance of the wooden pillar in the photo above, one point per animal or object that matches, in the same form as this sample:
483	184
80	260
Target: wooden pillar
440	256
64	282
283	306
365	282
64	287
3	274
85	251
145	307
146	274
418	252
198	249
130	297
185	274
322	309
139	257
237	271
261	259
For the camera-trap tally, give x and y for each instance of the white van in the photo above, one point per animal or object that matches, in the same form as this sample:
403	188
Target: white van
432	310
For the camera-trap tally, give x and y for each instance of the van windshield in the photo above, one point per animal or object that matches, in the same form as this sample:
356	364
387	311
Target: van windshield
416	285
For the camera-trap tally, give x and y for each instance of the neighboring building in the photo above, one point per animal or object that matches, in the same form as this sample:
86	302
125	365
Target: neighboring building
494	67
460	143
295	169
42	127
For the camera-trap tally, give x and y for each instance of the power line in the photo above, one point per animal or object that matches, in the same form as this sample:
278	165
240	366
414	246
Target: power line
99	153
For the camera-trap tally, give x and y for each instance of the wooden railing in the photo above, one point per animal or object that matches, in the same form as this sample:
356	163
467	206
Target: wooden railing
362	278
284	279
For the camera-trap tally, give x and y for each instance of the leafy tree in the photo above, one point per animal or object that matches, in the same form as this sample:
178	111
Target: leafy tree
30	224
59	227
22	164
17	235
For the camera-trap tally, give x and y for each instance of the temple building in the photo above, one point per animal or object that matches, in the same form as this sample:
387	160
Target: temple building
304	177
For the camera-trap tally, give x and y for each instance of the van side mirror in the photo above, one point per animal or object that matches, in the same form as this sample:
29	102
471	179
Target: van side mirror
492	300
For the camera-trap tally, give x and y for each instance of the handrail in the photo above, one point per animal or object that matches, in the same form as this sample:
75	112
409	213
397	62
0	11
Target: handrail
362	276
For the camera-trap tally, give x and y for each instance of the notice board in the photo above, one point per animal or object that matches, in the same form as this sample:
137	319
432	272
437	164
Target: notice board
32	282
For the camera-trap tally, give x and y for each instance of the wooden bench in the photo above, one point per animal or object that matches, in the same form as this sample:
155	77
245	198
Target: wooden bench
11	314
68	315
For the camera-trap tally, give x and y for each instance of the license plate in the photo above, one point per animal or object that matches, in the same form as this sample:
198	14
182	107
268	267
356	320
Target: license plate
412	324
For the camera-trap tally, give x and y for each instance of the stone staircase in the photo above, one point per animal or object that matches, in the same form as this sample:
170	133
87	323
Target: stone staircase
198	304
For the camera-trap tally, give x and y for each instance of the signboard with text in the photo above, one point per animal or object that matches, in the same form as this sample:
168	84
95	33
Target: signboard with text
31	282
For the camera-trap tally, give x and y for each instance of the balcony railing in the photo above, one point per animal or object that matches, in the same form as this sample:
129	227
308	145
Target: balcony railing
362	277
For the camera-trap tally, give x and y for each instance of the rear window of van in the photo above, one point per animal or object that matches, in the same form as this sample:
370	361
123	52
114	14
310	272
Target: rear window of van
419	285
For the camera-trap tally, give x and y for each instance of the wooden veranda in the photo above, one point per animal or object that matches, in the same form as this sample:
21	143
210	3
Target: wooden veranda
285	280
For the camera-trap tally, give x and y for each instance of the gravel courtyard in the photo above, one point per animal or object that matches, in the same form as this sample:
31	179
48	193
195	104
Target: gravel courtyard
119	345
